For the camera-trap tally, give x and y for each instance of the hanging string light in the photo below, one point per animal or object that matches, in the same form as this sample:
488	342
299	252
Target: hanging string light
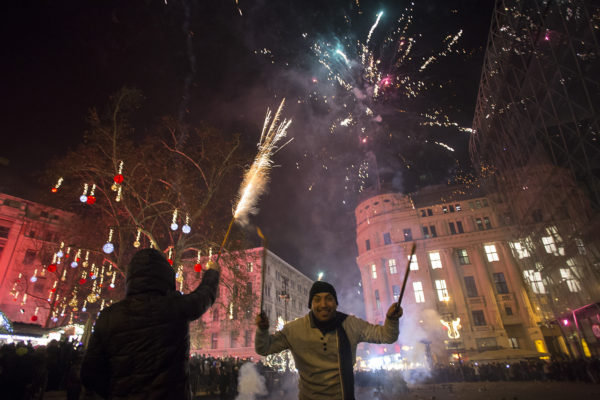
34	317
91	199
108	246
170	259
119	192
174	225
58	183
198	266
60	253
137	243
186	228
179	277
93	272
83	198
75	262
34	276
112	282
83	308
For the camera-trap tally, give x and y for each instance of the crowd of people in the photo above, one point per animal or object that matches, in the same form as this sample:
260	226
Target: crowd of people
26	372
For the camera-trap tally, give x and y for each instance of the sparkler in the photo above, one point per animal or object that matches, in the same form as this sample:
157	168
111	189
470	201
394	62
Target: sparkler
412	253
256	177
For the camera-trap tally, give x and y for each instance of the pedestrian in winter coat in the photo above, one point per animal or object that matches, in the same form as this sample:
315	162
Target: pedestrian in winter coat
323	343
140	346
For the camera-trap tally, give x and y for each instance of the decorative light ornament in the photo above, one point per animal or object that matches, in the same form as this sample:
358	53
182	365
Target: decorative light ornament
170	259
112	282
34	317
93	272
108	246
83	308
87	257
174	225
198	266
118	178
52	268
119	193
64	275
186	228
114	187
58	183
34	277
91	199
83	197
75	262
137	243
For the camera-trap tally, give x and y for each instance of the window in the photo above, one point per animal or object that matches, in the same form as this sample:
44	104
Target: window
4	231
429	212
451	208
490	251
232	339
460	227
514	342
487	223
414	265
425	232
423	213
432	230
407	235
31	234
248	339
572	282
477	204
445	209
249	267
478	318
215	315
392	265
485	203
471	205
442	291
387	239
458	208
500	282
377	300
373	271
580	246
520	250
550	242
470	286
248	288
214	340
396	292
452	228
44	214
419	294
368	244
508	310
463	257
29	257
479	223
436	261
535	281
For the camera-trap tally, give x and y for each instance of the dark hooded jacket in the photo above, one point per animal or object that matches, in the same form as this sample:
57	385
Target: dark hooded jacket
139	348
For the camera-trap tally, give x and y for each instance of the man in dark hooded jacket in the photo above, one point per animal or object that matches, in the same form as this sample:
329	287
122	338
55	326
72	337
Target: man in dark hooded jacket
140	346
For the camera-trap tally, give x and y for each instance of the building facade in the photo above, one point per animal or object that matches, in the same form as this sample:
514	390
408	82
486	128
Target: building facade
228	328
464	294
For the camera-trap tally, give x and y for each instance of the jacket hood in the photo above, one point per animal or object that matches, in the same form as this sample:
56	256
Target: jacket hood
149	271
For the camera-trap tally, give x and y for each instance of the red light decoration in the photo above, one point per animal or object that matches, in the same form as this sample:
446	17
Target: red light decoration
54	190
118	178
198	267
82	281
91	200
170	261
34	318
53	290
565	322
52	268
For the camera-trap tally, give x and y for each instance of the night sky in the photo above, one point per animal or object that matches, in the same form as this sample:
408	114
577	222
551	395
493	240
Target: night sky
203	61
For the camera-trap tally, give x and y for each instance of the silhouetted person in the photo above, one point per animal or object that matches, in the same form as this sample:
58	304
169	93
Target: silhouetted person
139	348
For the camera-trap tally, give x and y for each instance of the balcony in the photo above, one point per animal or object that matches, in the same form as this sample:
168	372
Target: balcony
476	300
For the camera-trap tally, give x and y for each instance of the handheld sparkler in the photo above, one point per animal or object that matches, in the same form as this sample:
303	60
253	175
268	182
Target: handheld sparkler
263	267
257	176
412	253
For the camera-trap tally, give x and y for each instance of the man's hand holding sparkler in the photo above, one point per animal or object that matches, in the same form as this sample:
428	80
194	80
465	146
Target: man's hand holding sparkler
394	312
262	321
212	265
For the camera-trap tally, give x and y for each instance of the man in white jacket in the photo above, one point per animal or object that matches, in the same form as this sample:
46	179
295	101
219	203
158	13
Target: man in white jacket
323	343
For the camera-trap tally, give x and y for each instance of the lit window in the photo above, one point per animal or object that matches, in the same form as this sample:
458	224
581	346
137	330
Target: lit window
572	282
419	293
479	223
458	207
490	251
487	223
373	271
392	265
520	250
445	209
407	235
463	257
436	261
580	246
442	291
514	342
549	245
414	265
396	292
552	242
535	281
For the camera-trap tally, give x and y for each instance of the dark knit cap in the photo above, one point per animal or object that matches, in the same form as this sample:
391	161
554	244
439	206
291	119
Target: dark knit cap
321	287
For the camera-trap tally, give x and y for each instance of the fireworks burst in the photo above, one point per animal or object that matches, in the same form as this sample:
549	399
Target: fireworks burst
256	177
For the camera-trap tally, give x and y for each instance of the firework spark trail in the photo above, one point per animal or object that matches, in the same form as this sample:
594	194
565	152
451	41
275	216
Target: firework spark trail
256	177
374	26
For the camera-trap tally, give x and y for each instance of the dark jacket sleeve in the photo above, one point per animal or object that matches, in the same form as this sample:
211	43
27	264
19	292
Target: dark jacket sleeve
192	305
95	368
